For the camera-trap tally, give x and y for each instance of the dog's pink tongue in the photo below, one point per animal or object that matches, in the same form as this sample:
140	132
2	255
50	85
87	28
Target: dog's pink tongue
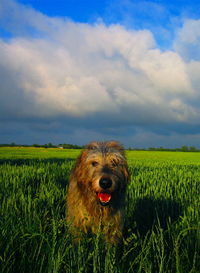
104	197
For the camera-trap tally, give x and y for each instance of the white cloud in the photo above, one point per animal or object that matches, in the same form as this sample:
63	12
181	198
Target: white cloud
62	68
187	43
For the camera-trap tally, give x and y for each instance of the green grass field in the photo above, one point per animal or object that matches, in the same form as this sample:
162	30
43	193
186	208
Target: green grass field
162	223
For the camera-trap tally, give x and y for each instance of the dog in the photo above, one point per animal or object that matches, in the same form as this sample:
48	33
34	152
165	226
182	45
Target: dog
96	192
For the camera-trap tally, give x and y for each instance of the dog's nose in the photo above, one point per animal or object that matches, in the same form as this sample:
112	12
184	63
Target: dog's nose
105	183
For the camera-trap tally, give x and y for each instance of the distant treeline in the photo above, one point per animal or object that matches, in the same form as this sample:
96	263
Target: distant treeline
182	149
74	146
48	145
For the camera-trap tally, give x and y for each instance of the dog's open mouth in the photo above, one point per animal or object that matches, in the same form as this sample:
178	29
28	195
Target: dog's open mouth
104	198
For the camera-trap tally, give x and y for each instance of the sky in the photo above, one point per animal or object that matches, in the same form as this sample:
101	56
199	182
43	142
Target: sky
75	71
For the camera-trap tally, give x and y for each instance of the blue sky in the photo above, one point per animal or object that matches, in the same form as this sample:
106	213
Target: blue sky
152	15
78	70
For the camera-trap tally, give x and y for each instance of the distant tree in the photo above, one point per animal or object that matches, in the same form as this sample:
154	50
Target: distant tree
36	145
193	149
152	149
50	145
70	146
184	148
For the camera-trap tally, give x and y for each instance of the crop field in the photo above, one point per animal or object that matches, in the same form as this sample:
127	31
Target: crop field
162	222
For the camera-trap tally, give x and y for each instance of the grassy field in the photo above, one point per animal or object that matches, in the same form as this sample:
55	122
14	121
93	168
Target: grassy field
162	224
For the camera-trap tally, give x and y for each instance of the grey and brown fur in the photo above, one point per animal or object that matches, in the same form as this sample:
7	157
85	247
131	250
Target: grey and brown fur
99	161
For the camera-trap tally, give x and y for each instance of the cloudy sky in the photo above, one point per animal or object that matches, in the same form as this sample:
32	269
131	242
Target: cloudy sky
74	71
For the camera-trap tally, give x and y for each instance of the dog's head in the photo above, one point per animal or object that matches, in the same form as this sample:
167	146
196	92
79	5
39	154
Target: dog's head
102	169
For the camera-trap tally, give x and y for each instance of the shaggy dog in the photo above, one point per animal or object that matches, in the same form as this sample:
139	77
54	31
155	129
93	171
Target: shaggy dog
96	192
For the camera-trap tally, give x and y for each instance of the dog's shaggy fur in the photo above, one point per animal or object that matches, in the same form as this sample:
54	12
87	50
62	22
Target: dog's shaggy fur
96	193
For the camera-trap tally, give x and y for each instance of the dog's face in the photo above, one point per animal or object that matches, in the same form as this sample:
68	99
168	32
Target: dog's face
107	174
104	170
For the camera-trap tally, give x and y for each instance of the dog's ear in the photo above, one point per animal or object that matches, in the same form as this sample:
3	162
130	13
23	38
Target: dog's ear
77	173
92	145
116	146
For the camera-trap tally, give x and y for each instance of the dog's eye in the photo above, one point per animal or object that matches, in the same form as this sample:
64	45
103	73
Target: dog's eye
94	163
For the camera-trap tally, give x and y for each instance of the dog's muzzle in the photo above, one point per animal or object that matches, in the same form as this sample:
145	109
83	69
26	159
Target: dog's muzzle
104	195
